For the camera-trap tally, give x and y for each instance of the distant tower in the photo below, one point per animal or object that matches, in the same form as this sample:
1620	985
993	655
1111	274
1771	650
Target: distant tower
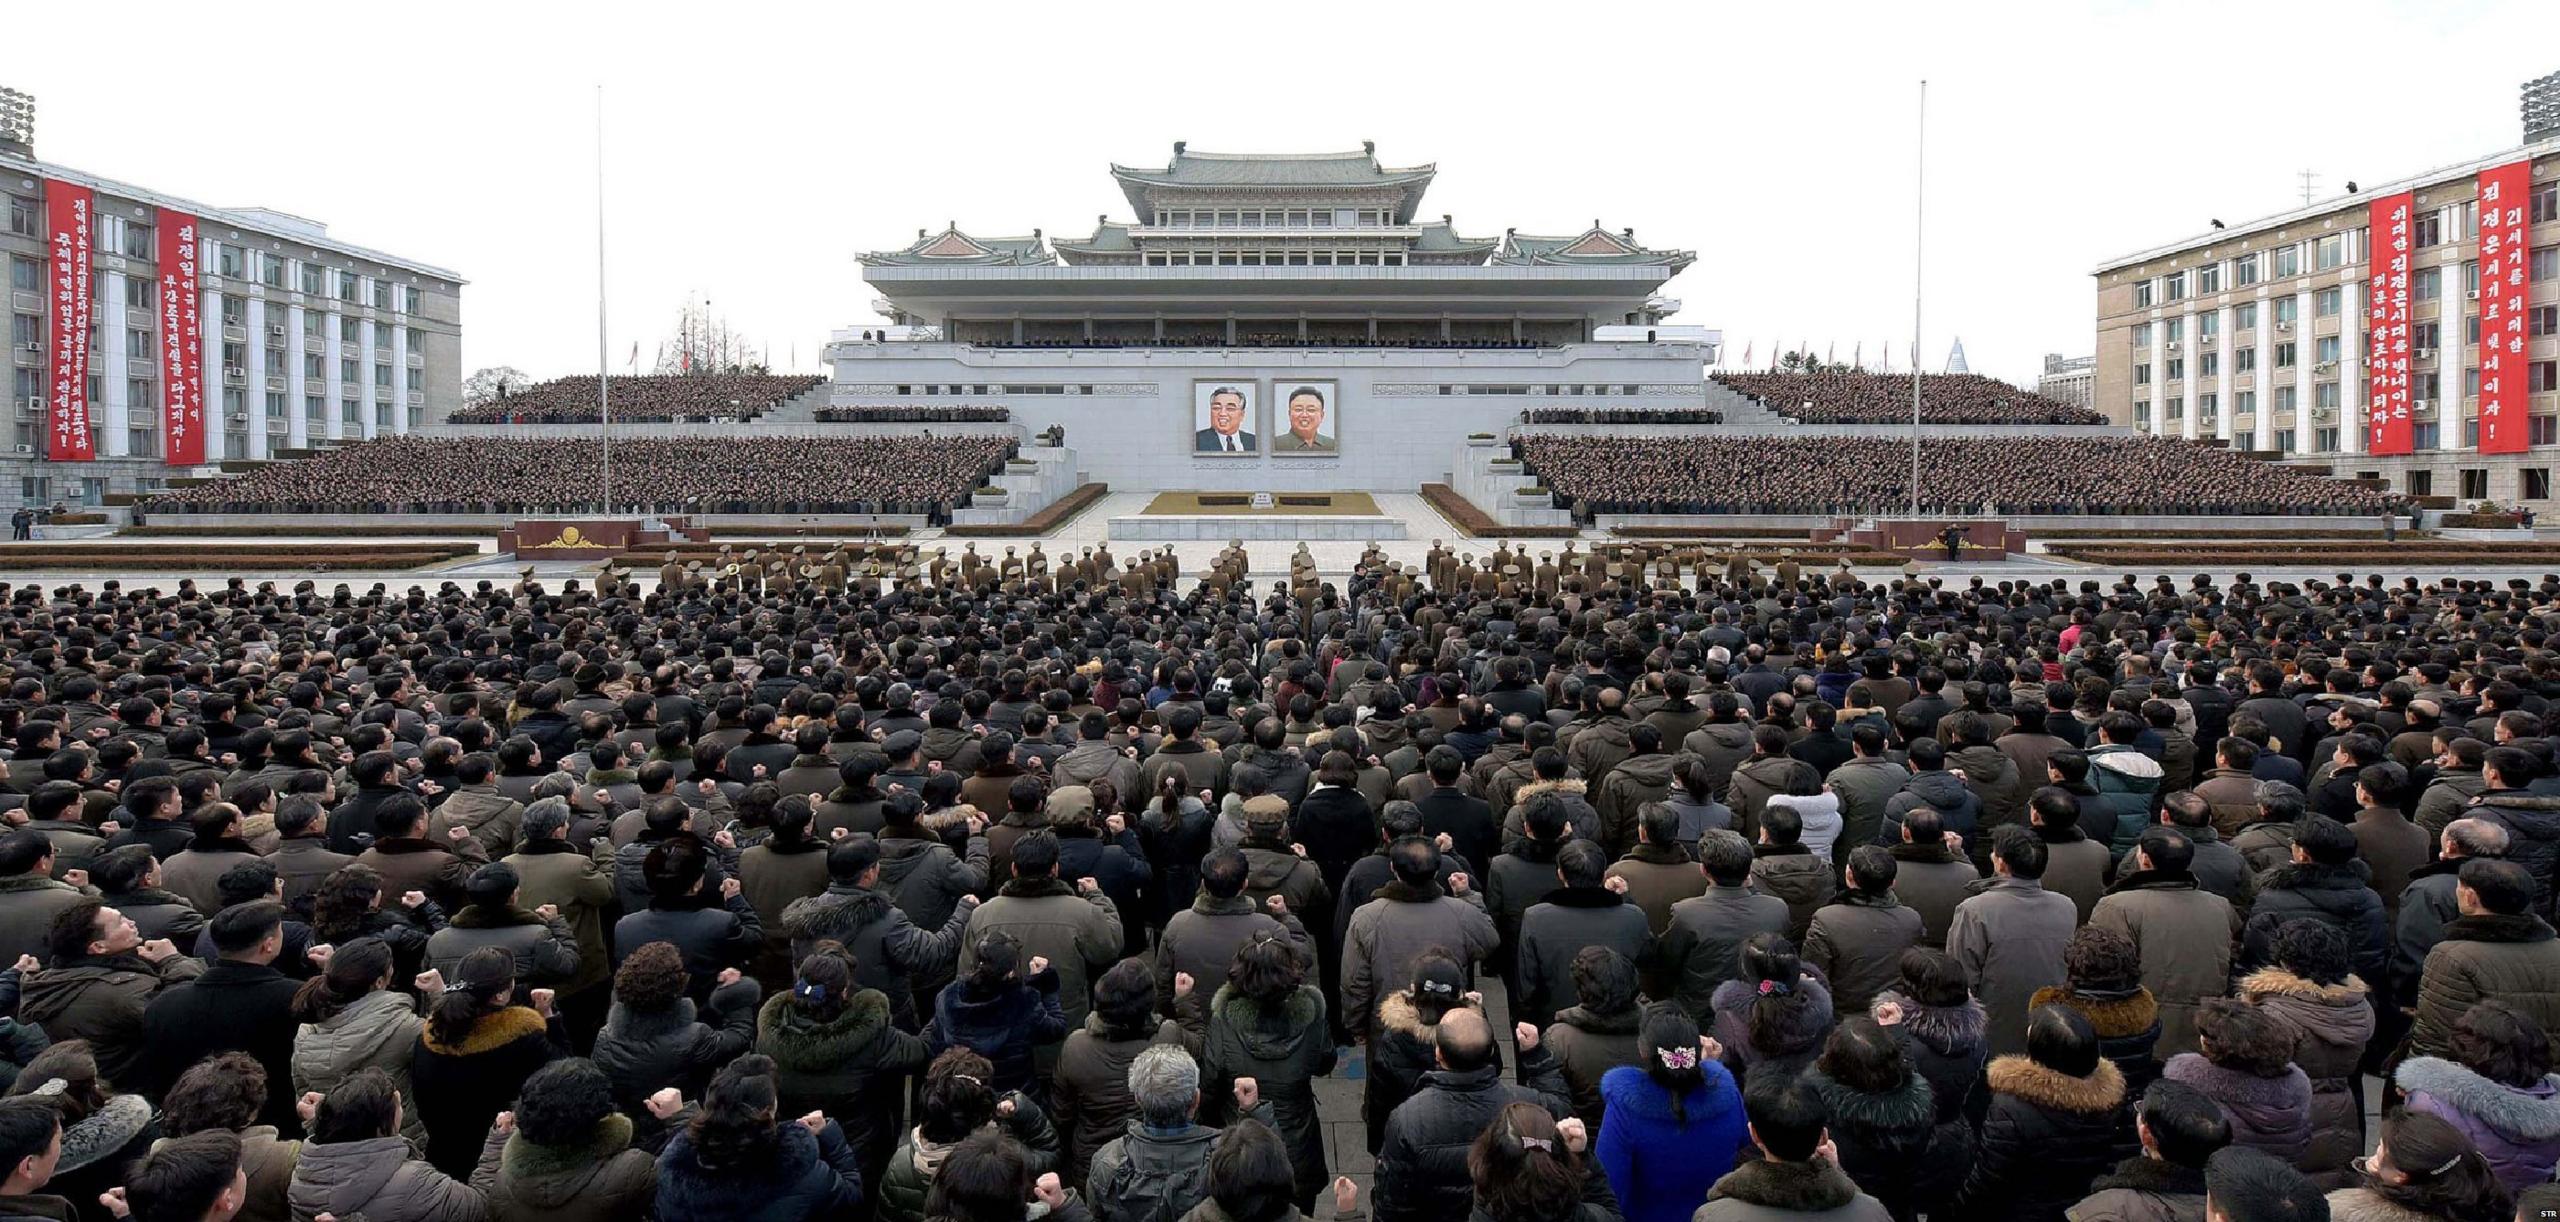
1955	358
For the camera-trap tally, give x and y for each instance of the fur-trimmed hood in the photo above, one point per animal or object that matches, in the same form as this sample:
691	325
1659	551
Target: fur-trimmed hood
797	1041
1904	1109
1809	1187
2527	1114
2239	1091
2366	1205
2055	1090
2113	1016
104	1132
492	1032
1568	787
1945	1030
1398	1014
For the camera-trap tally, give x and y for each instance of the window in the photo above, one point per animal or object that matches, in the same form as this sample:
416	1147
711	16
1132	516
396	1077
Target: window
347	286
2142	413
2543	430
2471	329
2429	230
2208	279
2425	434
408	299
315	408
2141	290
140	240
2284	398
2284	441
2209	365
2546	263
2546	203
312	275
2324	304
26	216
2284	355
2177	329
2286	308
2208	408
348	372
25	329
26	275
271	270
2427	285
2288	261
2325	349
2543	320
2208	325
2244	317
235	312
2425	334
2428	385
350	328
227	259
2174	287
2471	278
381	295
137	344
2244	271
2142	335
2177	368
2177	409
2244	403
2471	381
2324	394
2537	483
2324	441
2542	376
315	367
2327	253
382	375
2141	373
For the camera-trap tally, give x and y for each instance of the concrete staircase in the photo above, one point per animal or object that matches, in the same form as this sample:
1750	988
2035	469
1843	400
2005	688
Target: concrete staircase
1488	476
801	408
1031	481
1739	408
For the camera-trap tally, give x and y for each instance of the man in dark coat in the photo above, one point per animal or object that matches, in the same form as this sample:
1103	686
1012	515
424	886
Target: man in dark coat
2325	882
1589	909
1470	823
889	952
1201	941
98	977
1422	1167
2496	949
1858	938
1698	950
241	1004
2432	900
2531	820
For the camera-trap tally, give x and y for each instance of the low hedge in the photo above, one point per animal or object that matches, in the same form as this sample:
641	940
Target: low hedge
1475	523
1058	513
2206	534
317	528
2329	556
1710	534
180	557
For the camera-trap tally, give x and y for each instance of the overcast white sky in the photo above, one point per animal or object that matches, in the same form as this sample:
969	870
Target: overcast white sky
753	147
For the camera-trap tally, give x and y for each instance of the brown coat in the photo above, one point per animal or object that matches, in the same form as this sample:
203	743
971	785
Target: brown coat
2394	848
2184	935
581	889
1659	876
2515	959
2233	795
1932	881
417	865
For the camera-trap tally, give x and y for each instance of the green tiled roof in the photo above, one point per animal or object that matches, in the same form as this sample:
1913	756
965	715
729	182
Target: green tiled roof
1189	169
954	248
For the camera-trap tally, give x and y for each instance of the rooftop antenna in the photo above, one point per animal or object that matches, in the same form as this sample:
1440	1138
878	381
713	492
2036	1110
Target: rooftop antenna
2310	183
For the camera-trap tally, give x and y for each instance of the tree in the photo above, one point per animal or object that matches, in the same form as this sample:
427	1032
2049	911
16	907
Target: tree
482	386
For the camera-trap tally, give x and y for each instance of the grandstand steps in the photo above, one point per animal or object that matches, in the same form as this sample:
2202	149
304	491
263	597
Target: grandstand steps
1033	480
1488	477
801	408
1740	409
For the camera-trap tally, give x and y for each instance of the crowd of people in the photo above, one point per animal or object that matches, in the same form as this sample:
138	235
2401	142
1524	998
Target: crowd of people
1621	415
917	413
1859	475
642	398
983	899
921	474
1882	398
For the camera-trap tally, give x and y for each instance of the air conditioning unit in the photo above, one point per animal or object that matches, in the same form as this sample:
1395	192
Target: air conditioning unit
276	329
2471	295
234	371
33	345
24	448
239	417
2424	354
2423	407
2171	346
2284	328
2204	339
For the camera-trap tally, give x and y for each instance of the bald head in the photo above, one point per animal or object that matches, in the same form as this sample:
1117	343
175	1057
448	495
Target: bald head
1465	1041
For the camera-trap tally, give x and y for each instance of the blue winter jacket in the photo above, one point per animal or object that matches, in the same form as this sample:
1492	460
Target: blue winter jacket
1660	1168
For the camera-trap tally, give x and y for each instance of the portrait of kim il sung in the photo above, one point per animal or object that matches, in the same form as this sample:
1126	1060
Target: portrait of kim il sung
1222	418
1308	419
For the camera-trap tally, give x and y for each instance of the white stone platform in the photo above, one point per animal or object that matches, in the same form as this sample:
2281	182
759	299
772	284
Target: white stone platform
1163	528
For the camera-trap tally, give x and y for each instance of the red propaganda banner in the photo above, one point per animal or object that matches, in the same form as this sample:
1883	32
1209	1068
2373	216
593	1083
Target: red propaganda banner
2386	326
2504	266
70	214
181	340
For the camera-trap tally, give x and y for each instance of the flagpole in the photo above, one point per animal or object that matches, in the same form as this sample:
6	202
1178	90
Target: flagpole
604	371
1919	181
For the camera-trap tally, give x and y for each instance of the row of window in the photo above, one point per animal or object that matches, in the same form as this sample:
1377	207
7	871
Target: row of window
2433	227
2424	435
2425	284
1274	218
1274	258
135	238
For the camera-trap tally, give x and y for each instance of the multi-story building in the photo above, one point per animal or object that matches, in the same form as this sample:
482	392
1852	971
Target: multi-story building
2256	334
1264	287
299	337
2067	378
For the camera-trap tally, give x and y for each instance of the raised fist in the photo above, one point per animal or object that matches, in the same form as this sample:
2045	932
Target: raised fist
1279	907
1183	983
1116	824
1458	883
1039	964
1576	1137
666	1103
1525	1035
729	976
1248	1093
413	899
542	1001
1616	883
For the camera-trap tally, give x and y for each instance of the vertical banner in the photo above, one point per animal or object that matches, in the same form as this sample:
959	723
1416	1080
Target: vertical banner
70	230
2504	266
181	340
2387	327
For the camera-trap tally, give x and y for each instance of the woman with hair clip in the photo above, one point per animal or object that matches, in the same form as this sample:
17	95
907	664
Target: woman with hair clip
2309	989
2497	1088
104	1132
1403	1043
791	864
2056	1122
2246	1067
653	1038
352	1019
1091	1086
475	1054
1599	1034
2102	972
2423	1170
1251	1179
1528	1167
1268	1024
1001	1010
357	1165
740	1159
225	1092
1674	1123
954	1104
834	1050
1176	830
1884	1119
1771	1020
1942	1030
